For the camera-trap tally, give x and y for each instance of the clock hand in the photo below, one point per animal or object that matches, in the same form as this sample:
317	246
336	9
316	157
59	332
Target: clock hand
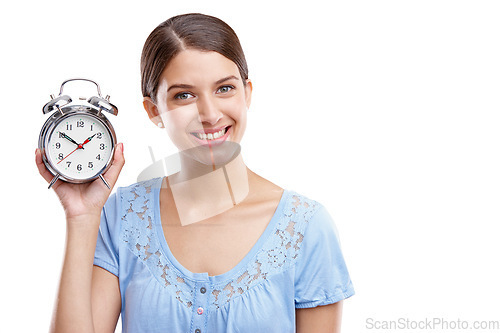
68	138
79	146
87	141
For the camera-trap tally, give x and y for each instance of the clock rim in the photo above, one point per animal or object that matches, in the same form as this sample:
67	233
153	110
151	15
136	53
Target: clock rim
65	113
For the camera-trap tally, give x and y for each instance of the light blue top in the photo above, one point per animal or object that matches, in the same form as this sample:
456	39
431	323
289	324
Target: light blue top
296	263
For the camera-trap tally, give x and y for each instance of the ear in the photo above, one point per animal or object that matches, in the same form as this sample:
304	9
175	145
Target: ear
152	110
248	93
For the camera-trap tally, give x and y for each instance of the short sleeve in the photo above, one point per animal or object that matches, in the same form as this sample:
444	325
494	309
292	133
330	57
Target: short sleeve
321	275
106	252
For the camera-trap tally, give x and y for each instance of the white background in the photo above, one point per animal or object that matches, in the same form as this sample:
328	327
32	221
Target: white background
387	112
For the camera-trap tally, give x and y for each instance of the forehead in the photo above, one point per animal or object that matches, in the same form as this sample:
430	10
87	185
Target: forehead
197	67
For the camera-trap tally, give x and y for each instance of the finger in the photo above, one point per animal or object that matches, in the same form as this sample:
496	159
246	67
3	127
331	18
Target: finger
114	170
42	169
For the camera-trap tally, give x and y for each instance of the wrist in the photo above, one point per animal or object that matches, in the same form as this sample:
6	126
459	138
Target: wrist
83	220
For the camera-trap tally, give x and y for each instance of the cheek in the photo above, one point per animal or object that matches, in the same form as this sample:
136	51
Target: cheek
177	120
235	109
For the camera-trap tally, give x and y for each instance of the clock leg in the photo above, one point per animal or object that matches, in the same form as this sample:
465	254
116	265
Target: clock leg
105	182
56	177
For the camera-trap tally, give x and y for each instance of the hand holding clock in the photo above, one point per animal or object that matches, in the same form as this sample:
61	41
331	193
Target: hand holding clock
85	199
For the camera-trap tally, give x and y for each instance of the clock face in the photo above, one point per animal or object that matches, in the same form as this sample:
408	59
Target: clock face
79	146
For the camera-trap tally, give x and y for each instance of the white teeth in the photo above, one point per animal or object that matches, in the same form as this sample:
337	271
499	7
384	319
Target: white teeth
211	136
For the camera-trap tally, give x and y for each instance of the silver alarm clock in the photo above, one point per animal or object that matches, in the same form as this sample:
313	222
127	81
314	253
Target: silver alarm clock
77	141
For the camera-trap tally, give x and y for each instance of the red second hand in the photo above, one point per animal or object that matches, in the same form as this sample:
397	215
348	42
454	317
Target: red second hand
79	146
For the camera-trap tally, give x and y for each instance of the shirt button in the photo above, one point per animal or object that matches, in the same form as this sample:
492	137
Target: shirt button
197	330
203	290
200	310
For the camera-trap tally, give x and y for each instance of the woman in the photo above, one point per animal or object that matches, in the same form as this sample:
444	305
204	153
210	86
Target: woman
213	247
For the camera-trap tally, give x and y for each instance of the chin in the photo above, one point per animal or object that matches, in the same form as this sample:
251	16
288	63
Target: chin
218	155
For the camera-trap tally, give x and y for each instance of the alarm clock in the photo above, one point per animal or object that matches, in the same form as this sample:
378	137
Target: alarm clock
77	141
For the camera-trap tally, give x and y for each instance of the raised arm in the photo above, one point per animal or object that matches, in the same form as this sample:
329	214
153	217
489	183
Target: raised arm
88	298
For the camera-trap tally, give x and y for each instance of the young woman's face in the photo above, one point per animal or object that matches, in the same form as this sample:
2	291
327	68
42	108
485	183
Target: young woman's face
202	102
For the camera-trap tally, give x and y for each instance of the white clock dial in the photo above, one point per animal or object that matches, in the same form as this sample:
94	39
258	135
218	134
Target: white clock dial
79	147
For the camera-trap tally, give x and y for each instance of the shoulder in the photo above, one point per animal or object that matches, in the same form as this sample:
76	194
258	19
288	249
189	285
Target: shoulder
299	203
310	218
304	220
302	208
130	198
139	189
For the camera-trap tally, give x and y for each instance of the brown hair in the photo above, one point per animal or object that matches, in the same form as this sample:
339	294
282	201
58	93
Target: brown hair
187	31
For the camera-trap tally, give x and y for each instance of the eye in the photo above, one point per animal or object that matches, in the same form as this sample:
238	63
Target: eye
225	89
182	95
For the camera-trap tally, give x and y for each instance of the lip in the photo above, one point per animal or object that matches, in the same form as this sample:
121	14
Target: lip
213	142
209	130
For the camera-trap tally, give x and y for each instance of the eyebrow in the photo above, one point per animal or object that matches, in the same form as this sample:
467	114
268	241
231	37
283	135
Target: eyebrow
188	86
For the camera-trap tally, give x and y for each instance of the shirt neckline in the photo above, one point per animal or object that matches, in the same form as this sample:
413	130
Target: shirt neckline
229	274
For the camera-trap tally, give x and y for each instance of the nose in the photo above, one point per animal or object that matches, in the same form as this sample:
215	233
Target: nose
208	111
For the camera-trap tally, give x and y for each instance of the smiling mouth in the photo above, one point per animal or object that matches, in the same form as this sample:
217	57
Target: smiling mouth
210	136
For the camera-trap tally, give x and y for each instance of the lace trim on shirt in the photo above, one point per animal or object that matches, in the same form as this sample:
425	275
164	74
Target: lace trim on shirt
278	253
140	236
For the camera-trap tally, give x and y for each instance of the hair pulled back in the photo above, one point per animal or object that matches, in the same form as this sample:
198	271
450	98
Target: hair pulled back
187	31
